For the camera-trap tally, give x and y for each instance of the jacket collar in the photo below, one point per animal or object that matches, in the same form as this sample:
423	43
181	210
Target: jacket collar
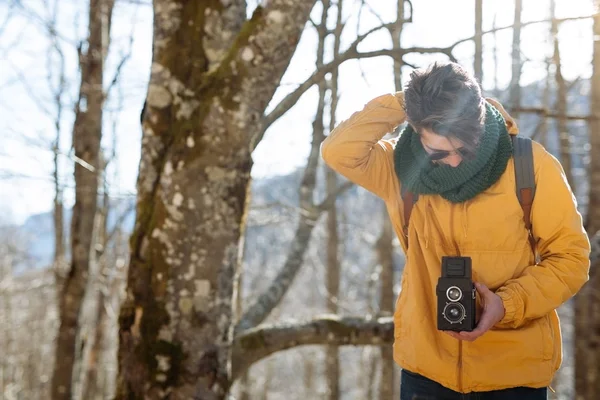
511	124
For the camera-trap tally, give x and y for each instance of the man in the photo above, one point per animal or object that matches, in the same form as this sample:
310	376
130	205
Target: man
456	154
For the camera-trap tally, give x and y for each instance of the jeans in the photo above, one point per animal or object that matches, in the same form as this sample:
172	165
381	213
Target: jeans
417	387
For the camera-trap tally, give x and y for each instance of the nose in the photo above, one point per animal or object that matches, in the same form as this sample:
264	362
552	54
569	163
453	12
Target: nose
453	160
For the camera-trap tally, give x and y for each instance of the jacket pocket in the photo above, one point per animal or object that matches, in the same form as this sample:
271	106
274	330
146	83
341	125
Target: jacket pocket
516	357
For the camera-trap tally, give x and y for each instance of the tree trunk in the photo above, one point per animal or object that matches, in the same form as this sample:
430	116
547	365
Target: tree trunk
244	383
565	158
87	132
58	214
264	395
495	55
59	262
91	384
332	281
332	363
385	252
515	86
478	58
8	364
543	124
211	81
385	248
587	301
593	211
309	376
561	103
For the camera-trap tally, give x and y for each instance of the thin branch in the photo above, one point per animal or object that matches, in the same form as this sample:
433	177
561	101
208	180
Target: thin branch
262	341
352	53
24	81
372	11
320	73
410	6
317	76
7	18
119	222
545	112
330	199
523	24
115	79
269	299
44	24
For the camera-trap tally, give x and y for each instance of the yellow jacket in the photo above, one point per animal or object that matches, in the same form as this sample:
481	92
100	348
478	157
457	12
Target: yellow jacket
524	348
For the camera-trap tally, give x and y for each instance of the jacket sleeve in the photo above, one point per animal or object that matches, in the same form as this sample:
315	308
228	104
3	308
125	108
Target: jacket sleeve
356	150
563	246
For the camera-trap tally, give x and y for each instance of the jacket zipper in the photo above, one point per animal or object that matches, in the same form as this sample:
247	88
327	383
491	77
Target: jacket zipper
460	383
460	344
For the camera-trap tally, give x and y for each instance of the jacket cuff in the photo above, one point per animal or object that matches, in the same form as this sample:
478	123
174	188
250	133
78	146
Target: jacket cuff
511	305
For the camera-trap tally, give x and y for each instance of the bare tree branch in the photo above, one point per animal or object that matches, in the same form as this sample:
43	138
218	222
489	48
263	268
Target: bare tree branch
291	99
48	28
262	341
352	53
7	18
317	76
269	299
123	61
523	24
372	11
32	93
552	114
330	199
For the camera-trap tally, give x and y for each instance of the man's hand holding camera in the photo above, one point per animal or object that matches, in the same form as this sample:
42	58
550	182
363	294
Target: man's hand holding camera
492	313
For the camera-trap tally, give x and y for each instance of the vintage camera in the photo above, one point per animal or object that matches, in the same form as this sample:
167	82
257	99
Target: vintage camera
456	293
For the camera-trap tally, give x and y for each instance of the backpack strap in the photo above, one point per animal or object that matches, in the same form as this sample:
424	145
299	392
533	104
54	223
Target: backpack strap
525	180
408	201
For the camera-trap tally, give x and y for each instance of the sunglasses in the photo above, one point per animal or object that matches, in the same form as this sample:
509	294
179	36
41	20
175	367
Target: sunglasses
438	155
441	154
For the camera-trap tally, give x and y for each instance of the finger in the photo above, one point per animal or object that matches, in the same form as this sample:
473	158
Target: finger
482	289
452	334
470	336
485	323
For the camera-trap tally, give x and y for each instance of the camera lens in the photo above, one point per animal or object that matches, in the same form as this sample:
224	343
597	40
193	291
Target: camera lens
454	312
454	293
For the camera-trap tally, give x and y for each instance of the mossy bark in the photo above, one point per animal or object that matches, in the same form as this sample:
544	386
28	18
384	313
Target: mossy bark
202	111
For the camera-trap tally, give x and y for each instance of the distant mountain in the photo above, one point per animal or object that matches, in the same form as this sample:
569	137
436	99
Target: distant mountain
35	237
275	199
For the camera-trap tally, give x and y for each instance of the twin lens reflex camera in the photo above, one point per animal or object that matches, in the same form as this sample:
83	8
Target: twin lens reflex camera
456	295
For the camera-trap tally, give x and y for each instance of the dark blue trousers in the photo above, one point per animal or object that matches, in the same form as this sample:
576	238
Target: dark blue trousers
417	387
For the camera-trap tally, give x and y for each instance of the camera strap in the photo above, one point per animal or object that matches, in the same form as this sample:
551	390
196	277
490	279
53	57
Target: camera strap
525	186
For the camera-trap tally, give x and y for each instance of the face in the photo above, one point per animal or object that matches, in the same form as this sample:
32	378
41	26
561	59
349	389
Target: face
441	149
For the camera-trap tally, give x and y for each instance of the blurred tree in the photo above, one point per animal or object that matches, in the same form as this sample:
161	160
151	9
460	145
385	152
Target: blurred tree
478	57
87	134
587	302
561	100
515	86
333	268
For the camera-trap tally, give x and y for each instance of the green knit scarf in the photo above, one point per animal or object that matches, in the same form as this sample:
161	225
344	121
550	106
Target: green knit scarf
456	184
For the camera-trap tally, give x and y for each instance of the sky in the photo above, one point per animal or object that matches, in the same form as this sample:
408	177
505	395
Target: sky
27	110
